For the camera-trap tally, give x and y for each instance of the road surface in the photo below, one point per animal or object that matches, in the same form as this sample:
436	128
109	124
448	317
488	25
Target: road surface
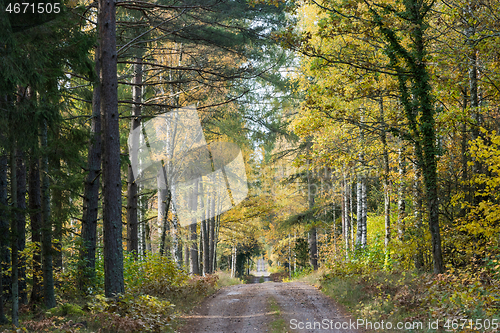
245	308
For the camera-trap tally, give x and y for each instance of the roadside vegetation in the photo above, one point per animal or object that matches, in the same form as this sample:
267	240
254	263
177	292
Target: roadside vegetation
158	293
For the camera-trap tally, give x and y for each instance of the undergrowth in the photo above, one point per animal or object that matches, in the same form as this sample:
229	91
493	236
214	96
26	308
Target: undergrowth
157	292
374	294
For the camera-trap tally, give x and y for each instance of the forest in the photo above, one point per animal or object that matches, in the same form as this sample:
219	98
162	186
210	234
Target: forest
359	149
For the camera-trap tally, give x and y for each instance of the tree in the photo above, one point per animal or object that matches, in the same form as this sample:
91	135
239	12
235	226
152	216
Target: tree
111	175
92	185
404	59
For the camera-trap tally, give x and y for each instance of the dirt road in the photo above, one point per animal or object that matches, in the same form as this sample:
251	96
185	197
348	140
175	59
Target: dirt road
246	308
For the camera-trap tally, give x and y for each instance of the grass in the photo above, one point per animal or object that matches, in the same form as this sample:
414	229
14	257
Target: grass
409	297
225	279
278	324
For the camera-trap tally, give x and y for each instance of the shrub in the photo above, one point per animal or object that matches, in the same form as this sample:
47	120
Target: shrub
130	313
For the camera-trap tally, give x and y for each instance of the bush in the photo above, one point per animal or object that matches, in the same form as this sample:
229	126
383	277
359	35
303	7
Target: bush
65	310
154	275
130	313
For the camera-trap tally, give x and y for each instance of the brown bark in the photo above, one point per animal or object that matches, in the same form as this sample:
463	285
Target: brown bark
4	226
21	224
48	273
401	194
92	185
112	203
194	264
35	208
132	190
313	245
13	241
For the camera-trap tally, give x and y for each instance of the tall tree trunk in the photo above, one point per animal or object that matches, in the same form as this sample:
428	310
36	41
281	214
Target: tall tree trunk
57	215
187	248
347	214
205	225
194	267
21	225
147	236
359	212
415	96
418	207
401	193
233	261
165	228
364	213
35	208
132	235
387	198
176	240
111	175
211	237
313	244
48	273
92	185
465	160
216	241
426	146
13	243
471	42
4	225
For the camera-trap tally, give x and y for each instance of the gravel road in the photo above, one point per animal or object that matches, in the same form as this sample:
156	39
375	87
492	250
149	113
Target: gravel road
245	308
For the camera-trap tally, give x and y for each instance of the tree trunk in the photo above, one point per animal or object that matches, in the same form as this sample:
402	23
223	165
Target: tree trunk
364	213
147	236
415	96
387	198
313	244
57	216
418	206
359	212
13	243
167	195
92	185
186	248
132	235
21	225
48	274
401	194
211	237
465	160
35	208
112	205
194	267
216	241
233	261
427	151
176	239
4	225
347	215
205	225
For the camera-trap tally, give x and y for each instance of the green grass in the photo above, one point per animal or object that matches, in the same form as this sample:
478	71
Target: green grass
278	324
225	279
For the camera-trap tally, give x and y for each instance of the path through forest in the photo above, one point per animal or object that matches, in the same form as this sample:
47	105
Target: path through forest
246	308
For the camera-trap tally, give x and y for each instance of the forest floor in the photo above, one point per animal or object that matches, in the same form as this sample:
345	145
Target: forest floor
266	307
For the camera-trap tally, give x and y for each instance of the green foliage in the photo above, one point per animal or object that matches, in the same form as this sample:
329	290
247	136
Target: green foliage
154	275
132	313
225	279
301	251
66	309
